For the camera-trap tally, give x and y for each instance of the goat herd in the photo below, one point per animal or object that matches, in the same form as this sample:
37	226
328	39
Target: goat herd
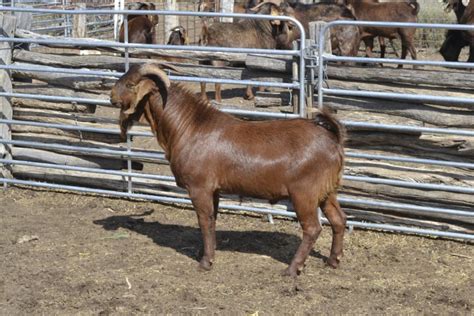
211	152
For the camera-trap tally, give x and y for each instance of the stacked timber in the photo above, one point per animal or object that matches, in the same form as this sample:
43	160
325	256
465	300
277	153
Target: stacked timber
360	140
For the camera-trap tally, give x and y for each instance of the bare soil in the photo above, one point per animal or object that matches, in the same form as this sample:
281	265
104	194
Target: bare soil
63	253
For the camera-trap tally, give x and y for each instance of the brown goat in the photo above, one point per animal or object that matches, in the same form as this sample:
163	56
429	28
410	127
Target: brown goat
370	41
387	12
141	28
243	34
344	39
211	152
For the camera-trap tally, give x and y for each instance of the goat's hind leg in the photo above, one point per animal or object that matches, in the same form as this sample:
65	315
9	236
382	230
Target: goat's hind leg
337	219
307	216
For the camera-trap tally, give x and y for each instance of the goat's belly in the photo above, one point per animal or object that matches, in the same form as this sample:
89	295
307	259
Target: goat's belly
260	190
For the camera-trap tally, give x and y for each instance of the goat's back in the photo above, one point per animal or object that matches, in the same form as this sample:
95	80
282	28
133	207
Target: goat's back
244	34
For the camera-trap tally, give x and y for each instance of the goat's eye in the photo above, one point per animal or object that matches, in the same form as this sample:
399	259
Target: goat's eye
129	85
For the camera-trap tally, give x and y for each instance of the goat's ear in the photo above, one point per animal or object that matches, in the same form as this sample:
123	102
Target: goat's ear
142	89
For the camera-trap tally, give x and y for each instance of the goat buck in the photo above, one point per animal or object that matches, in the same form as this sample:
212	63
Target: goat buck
211	152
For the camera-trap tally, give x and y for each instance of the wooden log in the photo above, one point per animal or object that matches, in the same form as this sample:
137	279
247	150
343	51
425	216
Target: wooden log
440	199
7	28
423	113
45	105
117	63
269	63
271	99
49	132
65	140
452	79
425	173
231	57
56	117
374	217
79	22
414	90
426	147
38	155
77	82
44	89
448	79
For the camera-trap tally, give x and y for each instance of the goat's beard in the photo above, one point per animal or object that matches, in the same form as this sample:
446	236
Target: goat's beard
126	122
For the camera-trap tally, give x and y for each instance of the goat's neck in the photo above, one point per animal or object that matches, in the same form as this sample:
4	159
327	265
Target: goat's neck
183	115
264	29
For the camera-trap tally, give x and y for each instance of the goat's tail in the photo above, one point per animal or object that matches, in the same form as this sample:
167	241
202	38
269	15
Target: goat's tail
326	120
415	5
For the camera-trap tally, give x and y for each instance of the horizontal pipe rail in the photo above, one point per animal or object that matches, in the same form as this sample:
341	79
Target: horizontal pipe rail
84	149
404	206
408	128
110	44
86	169
411	160
415	185
398	96
451	64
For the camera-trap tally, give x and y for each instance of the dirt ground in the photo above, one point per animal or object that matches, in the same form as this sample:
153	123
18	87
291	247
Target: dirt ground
66	254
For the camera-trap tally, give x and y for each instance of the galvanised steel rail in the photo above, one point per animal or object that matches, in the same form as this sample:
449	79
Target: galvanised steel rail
322	58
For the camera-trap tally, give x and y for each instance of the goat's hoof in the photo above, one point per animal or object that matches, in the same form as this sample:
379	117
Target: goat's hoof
249	97
333	262
205	265
291	272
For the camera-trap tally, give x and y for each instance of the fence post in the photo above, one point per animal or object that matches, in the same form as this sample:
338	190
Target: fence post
295	79
171	21
314	32
79	22
7	28
118	18
227	6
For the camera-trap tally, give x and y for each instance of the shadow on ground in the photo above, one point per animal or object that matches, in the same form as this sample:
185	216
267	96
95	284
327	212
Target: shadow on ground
187	240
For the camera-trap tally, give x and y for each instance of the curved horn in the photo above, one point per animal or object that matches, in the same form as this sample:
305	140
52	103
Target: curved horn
155	69
275	2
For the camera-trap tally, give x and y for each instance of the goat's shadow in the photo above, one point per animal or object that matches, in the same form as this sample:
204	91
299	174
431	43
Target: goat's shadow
187	240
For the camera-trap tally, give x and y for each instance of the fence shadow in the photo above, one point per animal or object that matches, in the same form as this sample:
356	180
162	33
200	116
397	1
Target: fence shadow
187	240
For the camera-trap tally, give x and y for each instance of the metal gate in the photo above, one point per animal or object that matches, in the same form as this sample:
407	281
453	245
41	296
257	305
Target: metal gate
130	177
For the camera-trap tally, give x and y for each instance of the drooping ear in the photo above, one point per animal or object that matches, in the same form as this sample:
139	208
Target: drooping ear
142	89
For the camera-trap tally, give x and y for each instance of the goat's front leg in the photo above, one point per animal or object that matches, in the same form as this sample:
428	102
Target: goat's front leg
249	93
204	204
337	219
306	211
203	91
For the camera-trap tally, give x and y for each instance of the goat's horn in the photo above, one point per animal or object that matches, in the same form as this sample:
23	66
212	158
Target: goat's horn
275	2
155	69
